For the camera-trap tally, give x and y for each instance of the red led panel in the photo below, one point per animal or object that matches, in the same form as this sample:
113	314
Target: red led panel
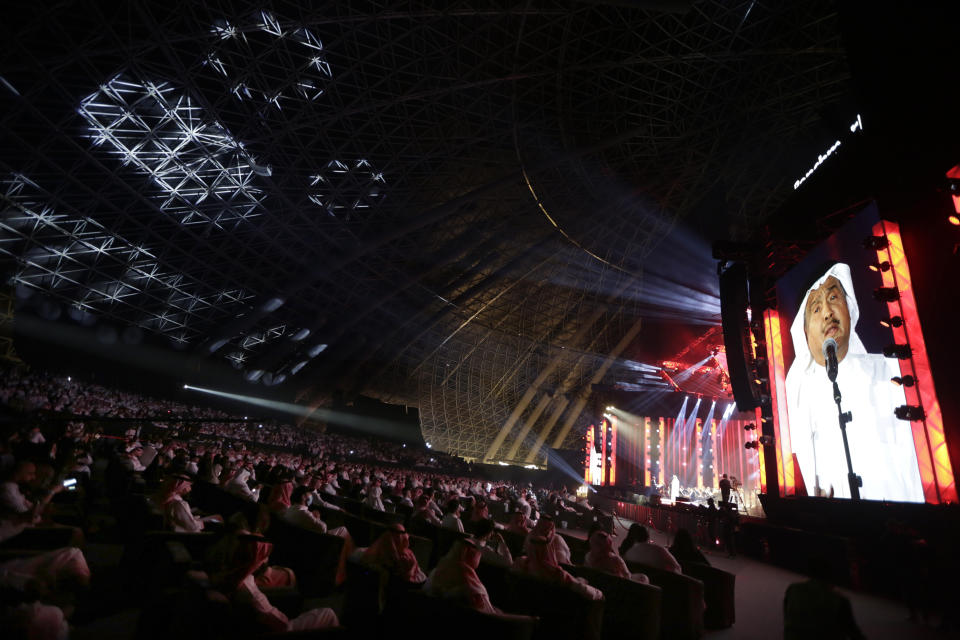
936	472
781	424
761	464
587	467
613	451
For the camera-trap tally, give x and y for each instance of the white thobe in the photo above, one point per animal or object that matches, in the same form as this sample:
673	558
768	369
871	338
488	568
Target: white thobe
881	445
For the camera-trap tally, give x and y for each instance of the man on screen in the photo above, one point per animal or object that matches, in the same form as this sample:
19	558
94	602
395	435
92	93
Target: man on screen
881	445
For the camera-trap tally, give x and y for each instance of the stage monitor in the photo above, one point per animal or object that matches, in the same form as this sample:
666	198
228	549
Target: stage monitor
850	302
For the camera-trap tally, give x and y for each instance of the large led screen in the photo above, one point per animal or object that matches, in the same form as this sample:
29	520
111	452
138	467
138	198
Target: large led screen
854	290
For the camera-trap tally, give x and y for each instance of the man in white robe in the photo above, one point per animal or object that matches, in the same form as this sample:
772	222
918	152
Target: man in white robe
881	445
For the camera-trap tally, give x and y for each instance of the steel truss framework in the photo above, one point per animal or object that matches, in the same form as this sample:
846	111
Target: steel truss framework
450	208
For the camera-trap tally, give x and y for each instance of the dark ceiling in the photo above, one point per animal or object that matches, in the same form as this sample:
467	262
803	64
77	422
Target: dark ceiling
481	210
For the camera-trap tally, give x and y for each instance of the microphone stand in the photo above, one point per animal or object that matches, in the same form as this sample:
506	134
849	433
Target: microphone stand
845	417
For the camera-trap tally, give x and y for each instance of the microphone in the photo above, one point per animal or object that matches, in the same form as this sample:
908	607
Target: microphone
830	358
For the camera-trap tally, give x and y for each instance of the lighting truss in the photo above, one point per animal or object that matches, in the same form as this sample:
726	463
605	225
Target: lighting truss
201	173
75	259
248	56
341	188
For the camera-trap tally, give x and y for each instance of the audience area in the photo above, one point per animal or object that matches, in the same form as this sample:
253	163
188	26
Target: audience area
129	516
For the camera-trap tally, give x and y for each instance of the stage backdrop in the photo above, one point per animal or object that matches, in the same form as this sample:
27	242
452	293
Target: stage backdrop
698	445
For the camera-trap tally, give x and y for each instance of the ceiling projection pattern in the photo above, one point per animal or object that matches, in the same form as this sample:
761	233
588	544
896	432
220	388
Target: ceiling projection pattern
454	206
203	175
95	272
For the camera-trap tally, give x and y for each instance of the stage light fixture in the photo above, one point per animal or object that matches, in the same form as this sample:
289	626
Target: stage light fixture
898	351
895	321
753	444
886	294
883	267
766	441
876	243
910	412
750	427
906	381
954	220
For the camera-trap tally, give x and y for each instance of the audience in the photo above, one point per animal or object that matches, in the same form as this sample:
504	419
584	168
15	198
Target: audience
452	518
546	529
237	581
637	547
177	514
493	547
685	550
541	563
300	514
455	577
603	557
391	552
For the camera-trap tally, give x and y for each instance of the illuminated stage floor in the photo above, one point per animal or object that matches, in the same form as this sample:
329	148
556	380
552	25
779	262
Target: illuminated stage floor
759	597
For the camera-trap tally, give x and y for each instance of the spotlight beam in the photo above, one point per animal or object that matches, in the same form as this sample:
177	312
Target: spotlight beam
361	423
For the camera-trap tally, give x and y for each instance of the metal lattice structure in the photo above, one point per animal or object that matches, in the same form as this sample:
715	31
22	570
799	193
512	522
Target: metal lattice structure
446	207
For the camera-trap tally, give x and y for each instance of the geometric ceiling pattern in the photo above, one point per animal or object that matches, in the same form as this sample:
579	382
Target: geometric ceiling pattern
462	209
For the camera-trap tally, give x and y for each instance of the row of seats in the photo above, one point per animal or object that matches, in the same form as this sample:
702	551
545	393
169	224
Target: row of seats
671	607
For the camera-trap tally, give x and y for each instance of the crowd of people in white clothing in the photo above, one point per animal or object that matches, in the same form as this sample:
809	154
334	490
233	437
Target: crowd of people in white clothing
295	474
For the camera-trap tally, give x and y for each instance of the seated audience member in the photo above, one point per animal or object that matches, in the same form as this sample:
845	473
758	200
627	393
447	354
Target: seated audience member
177	514
479	513
51	572
236	580
546	529
519	524
638	548
54	577
492	545
219	555
238	485
33	621
814	609
540	563
405	499
17	512
299	512
330	485
392	553
374	495
432	505
452	518
279	499
316	495
455	577
603	556
131	459
685	550
423	513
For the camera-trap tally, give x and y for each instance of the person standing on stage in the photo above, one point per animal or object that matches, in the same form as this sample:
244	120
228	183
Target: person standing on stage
724	488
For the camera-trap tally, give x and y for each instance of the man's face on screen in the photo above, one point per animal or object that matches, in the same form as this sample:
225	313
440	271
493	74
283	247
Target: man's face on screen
827	316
